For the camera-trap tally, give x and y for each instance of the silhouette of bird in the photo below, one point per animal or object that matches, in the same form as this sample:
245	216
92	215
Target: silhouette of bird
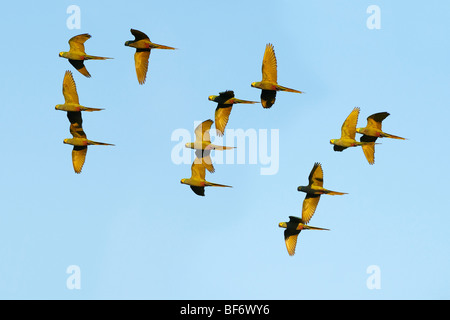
71	102
143	46
197	180
77	54
79	140
269	85
225	101
348	133
313	191
293	228
372	131
203	145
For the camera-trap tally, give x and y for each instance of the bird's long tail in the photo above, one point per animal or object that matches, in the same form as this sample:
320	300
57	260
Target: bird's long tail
335	193
92	109
100	143
221	148
160	46
387	135
281	88
212	184
89	57
313	228
243	101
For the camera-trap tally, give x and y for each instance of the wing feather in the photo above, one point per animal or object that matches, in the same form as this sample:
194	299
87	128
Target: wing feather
76	43
202	131
70	89
269	65
348	129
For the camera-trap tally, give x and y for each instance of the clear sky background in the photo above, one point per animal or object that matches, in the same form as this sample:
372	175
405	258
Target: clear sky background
137	233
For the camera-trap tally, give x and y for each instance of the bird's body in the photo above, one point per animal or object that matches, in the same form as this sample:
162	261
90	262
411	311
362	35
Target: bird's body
372	131
269	84
81	142
197	181
143	46
75	107
344	143
313	191
71	100
203	146
348	133
225	101
293	228
77	55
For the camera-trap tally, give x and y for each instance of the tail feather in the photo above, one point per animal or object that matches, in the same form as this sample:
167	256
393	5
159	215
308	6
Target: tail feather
387	135
212	184
335	193
89	57
313	228
160	46
92	109
221	148
281	88
243	101
100	143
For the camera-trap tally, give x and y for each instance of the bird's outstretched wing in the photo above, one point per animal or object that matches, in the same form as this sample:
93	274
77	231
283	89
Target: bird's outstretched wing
76	43
202	131
374	120
222	114
348	129
70	89
78	158
269	65
198	170
141	57
290	238
139	35
79	65
316	176
309	206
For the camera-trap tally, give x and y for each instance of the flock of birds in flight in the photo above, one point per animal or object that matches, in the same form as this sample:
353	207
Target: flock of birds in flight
202	144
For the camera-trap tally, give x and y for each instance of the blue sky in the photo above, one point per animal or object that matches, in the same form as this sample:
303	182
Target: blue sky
135	232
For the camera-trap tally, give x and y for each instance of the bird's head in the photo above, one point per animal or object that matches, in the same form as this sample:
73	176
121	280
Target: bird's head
127	43
359	130
62	54
58	107
254	84
301	188
189	145
66	141
282	225
212	98
183	181
332	141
